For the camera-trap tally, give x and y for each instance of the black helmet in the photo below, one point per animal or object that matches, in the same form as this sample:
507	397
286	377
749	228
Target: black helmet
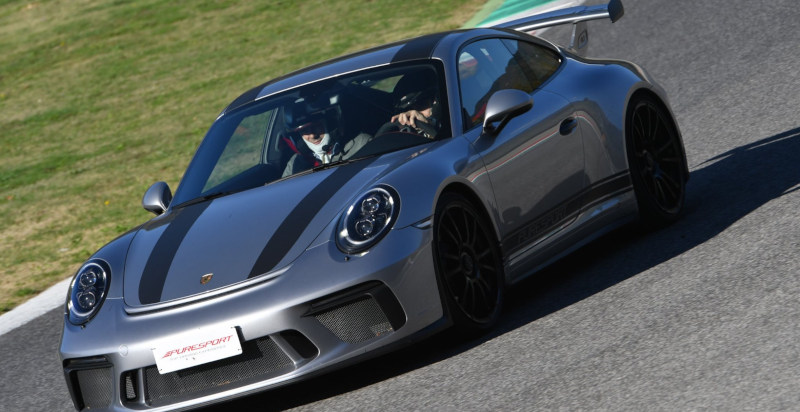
311	110
416	90
298	117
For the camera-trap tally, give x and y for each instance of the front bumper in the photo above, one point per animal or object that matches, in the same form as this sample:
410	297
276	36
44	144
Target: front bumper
324	311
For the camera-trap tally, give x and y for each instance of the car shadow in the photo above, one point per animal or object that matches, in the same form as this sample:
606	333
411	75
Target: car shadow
722	190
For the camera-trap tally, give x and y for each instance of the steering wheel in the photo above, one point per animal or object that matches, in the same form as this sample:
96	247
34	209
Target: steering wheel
422	129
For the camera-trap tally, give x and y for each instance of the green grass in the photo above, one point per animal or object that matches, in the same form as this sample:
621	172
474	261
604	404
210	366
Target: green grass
99	99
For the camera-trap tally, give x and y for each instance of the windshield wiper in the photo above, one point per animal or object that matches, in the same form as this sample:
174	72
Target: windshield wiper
204	198
340	162
331	164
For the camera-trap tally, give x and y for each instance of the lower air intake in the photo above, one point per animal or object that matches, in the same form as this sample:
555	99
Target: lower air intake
129	386
260	359
96	386
357	321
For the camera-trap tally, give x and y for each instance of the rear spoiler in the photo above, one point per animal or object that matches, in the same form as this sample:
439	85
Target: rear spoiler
578	16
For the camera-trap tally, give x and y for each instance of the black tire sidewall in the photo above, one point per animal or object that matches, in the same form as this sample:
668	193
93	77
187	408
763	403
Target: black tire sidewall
461	322
651	214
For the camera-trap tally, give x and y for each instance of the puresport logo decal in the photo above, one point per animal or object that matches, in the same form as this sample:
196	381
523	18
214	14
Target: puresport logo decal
198	346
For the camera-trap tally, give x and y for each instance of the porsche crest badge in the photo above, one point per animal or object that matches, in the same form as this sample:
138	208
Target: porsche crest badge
206	278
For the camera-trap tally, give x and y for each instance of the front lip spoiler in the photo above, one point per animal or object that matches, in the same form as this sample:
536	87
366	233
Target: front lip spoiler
266	277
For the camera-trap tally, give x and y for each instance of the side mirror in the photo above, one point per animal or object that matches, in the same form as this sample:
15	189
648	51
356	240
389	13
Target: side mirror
503	106
156	199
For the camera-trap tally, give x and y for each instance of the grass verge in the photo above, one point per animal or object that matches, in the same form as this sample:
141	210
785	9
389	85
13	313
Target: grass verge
101	98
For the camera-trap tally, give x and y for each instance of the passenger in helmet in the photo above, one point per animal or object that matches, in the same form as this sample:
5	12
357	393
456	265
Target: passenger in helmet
314	134
316	137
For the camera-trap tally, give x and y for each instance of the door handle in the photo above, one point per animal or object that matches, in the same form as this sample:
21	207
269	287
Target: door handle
568	125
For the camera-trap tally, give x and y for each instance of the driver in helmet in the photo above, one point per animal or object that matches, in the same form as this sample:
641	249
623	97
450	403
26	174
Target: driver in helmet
416	102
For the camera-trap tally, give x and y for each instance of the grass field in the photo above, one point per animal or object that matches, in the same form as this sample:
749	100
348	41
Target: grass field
99	99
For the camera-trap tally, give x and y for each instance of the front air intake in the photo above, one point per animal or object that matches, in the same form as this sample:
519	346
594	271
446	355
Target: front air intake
359	314
96	387
260	359
356	322
90	382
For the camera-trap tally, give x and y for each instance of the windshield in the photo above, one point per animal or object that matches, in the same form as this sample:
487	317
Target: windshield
317	126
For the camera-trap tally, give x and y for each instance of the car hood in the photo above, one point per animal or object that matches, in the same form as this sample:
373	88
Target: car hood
202	247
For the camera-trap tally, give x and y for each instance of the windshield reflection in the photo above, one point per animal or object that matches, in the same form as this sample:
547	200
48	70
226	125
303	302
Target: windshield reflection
318	126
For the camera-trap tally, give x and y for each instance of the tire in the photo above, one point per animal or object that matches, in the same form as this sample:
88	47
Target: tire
468	265
656	161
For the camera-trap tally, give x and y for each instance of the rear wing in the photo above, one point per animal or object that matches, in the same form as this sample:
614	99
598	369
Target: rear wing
578	16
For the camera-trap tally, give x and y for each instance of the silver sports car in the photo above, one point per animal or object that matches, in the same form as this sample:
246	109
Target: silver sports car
361	203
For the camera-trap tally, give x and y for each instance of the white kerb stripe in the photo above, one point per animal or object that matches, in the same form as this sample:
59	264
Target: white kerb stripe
35	307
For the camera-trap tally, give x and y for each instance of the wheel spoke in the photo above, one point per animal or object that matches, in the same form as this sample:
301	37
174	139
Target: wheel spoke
650	181
473	234
670	160
639	129
454	227
470	298
453	234
484	296
656	128
674	189
486	289
451	256
480	256
488	267
660	193
652	123
666	146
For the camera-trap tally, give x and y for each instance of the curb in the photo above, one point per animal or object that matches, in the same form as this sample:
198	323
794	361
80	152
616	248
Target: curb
499	11
35	307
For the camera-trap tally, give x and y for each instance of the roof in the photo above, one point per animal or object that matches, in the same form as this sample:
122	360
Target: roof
412	49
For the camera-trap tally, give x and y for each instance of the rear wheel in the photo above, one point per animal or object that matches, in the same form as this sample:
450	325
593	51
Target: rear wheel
468	265
656	161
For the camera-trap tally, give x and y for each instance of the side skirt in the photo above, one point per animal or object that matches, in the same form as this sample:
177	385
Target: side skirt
602	213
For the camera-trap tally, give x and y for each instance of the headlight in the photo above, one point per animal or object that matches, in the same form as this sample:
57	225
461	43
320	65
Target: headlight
87	291
368	220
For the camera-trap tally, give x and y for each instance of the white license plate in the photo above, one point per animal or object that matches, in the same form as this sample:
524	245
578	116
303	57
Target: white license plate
196	347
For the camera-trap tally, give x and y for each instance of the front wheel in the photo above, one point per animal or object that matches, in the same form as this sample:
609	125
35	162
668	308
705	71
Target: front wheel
657	162
468	265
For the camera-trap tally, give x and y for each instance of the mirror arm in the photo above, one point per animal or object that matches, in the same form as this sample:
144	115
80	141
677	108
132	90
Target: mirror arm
503	106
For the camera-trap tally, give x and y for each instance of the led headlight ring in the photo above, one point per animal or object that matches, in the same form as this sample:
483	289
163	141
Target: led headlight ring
368	220
87	291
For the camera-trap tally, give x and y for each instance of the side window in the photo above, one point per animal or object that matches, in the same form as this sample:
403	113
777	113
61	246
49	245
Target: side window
485	67
538	62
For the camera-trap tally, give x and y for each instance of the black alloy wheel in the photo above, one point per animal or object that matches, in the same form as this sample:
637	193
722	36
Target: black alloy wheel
657	162
468	265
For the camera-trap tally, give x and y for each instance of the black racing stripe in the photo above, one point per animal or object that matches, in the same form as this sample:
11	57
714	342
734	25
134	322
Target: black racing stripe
419	48
298	219
545	223
607	186
155	270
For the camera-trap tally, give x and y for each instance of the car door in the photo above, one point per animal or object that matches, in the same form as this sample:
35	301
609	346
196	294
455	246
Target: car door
535	164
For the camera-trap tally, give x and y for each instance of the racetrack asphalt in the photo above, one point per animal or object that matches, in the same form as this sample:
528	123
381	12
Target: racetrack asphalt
701	315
